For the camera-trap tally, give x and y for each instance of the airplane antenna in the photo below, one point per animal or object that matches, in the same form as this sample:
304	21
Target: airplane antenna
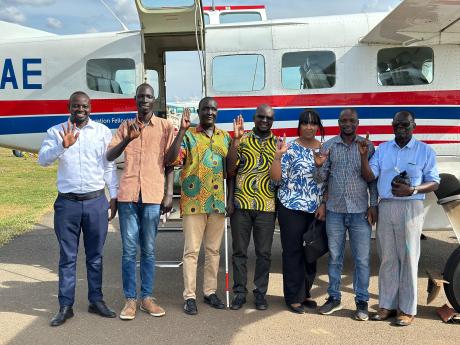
115	15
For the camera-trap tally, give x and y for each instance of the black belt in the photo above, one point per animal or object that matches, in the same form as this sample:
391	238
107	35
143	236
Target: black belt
82	196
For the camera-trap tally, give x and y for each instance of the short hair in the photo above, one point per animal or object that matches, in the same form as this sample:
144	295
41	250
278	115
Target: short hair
205	99
310	116
352	110
79	93
265	106
145	85
405	113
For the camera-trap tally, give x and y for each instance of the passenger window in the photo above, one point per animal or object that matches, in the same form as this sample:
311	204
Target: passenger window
111	75
206	19
238	73
226	18
308	70
405	66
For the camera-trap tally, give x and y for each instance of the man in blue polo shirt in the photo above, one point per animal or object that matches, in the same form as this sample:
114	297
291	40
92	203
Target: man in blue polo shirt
401	216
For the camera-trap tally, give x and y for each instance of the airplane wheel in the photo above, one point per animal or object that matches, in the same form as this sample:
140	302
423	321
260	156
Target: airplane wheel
452	275
18	153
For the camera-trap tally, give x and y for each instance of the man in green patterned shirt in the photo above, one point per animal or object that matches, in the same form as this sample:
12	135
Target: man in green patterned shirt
202	152
249	160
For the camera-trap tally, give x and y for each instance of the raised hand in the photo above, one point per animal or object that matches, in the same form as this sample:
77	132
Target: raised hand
134	129
238	127
363	146
69	136
281	146
320	156
185	121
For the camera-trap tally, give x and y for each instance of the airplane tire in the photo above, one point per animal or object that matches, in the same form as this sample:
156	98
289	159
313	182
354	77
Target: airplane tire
452	275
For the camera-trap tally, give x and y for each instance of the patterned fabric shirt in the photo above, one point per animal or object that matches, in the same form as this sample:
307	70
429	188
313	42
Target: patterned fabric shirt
348	192
254	190
298	190
202	180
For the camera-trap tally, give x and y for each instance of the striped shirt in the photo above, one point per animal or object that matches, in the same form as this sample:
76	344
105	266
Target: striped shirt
347	191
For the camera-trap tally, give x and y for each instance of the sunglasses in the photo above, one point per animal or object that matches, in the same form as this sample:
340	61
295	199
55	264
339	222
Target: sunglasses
266	118
402	124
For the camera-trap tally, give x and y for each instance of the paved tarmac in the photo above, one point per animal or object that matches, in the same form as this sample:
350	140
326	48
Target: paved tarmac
28	287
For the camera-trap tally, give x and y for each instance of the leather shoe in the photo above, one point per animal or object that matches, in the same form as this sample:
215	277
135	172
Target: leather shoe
260	301
403	319
296	309
214	301
238	302
383	314
101	309
65	312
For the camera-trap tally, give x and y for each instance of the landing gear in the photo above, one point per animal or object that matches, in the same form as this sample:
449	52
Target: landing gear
452	275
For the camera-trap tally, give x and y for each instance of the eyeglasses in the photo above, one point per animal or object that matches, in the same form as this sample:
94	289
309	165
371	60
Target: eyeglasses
405	124
266	118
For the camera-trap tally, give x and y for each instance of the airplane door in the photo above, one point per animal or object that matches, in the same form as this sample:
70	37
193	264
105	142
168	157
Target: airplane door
167	28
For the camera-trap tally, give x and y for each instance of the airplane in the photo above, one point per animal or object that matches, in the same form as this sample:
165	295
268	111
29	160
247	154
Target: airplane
378	63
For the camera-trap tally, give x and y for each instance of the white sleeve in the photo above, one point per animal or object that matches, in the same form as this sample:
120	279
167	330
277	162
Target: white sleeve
51	148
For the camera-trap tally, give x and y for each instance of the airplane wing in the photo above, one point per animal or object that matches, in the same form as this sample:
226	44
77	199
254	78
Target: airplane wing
412	21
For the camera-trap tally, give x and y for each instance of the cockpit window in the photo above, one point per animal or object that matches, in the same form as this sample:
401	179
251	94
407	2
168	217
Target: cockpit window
308	70
405	66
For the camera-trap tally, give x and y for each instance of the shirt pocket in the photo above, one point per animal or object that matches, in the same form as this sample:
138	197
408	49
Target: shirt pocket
415	172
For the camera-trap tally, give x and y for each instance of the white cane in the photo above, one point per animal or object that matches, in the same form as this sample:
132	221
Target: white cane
227	292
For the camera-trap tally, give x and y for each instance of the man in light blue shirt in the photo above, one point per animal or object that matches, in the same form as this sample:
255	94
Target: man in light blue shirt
400	218
81	205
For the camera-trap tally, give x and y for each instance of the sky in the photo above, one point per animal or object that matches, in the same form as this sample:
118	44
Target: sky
86	16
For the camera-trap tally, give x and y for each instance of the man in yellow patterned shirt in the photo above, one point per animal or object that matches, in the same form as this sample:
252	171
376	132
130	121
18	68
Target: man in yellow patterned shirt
202	152
249	159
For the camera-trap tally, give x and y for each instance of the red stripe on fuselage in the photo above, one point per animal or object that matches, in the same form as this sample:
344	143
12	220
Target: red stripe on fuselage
45	107
373	130
428	98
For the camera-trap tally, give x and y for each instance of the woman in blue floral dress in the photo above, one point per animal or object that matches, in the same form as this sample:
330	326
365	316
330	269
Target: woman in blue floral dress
300	198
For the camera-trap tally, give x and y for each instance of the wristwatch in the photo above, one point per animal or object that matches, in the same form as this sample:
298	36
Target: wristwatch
414	191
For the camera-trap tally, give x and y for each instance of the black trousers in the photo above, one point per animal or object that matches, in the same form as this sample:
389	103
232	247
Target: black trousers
298	274
263	225
70	219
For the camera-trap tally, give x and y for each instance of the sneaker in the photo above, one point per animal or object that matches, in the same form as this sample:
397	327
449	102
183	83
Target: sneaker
190	307
362	313
238	302
260	301
129	310
214	301
150	306
330	306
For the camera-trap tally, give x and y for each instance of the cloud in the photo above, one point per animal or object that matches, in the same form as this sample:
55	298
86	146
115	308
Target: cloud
30	2
126	10
91	30
12	14
53	23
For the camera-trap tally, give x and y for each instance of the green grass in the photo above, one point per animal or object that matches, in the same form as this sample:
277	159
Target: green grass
27	192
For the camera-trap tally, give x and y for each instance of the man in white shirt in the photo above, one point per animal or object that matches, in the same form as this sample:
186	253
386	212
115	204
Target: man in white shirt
81	205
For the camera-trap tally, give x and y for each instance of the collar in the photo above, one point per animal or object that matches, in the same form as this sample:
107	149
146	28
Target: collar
152	120
200	129
410	145
90	124
253	134
340	139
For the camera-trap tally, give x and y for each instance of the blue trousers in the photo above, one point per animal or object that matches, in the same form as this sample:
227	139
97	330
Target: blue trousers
70	218
359	231
138	225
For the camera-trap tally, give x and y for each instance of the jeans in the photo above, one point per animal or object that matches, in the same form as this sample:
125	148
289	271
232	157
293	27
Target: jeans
138	224
359	232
